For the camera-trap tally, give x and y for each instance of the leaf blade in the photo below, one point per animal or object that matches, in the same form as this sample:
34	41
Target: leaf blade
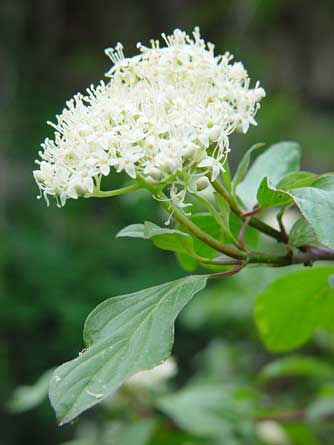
292	308
125	335
317	206
276	162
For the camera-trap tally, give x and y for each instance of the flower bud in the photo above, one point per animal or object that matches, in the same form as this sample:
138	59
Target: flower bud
202	183
151	180
155	173
39	176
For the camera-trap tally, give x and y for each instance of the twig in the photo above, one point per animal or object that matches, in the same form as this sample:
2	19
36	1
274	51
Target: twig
284	235
254	222
228	273
250	212
243	231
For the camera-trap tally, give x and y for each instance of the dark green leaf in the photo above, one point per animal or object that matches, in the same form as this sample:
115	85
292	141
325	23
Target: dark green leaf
293	307
124	335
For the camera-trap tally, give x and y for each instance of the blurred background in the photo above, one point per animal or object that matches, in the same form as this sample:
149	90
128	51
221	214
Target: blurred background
57	264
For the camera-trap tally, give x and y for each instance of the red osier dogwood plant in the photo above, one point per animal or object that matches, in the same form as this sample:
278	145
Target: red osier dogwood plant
164	120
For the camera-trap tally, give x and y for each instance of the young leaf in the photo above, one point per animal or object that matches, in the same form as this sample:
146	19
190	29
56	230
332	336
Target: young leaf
275	163
268	196
302	234
325	182
169	239
296	180
123	335
293	307
317	206
166	239
243	167
132	231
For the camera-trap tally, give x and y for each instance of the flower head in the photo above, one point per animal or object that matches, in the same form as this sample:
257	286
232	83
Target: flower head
164	117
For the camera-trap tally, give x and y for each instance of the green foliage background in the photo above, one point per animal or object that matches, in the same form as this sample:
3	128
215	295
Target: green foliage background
56	265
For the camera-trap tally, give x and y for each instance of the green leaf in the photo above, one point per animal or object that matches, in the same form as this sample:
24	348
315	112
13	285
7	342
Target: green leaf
243	167
208	224
229	302
295	180
209	410
187	262
27	397
169	239
293	307
301	434
275	163
325	182
302	234
268	196
132	231
138	433
317	206
166	239
123	335
296	365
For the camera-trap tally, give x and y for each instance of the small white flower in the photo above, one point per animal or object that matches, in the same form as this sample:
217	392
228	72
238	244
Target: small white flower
214	165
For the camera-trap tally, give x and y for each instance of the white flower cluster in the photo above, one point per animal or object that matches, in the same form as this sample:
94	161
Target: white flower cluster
164	117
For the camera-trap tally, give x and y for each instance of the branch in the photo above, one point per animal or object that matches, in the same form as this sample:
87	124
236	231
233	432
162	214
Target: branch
254	222
201	235
307	256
